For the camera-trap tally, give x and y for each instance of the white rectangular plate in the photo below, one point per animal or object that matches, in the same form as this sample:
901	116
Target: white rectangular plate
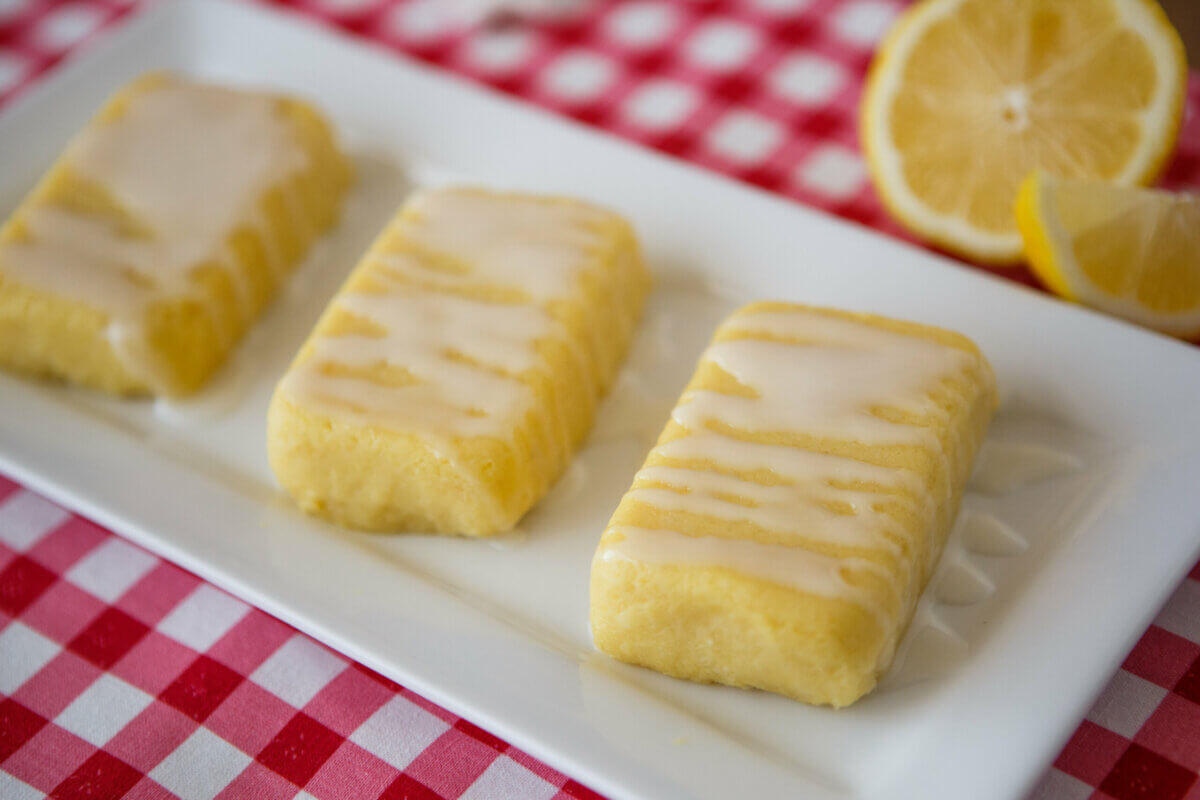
1045	586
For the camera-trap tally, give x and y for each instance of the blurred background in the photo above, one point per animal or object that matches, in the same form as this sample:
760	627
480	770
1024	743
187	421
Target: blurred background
1186	16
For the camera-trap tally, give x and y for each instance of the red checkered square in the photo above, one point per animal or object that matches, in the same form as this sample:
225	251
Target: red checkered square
299	750
68	543
1189	684
7	554
151	736
147	789
260	783
201	688
17	726
1091	753
20	584
1173	731
158	591
452	763
251	642
7	487
55	685
1141	773
250	718
406	787
368	775
63	611
347	701
109	637
48	758
101	775
154	663
1162	657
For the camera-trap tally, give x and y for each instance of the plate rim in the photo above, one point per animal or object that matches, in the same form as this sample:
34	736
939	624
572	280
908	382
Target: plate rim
177	12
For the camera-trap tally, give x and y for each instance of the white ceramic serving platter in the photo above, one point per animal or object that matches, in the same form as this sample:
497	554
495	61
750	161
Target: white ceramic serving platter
1082	517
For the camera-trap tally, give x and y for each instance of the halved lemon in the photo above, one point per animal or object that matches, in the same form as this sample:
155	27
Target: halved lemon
967	97
1131	252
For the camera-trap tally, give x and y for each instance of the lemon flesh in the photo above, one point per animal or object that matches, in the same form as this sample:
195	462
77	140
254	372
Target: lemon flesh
1129	251
967	97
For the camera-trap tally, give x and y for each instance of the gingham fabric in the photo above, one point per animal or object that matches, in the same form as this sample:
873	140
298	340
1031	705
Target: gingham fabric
121	674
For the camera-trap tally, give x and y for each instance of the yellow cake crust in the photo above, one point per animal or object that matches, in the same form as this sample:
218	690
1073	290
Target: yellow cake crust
484	294
791	559
175	334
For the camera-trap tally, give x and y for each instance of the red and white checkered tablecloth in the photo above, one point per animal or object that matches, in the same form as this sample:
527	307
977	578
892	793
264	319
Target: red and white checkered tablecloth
123	675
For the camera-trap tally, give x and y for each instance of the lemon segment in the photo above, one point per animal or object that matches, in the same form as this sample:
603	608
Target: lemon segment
1128	251
967	97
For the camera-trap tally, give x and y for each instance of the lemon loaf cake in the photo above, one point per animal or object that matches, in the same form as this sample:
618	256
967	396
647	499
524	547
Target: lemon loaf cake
448	383
781	530
144	254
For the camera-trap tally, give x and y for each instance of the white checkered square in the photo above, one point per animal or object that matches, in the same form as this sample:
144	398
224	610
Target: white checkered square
659	104
422	20
834	171
110	569
864	23
346	7
203	617
103	709
579	75
807	79
782	6
298	670
744	137
201	767
9	9
24	516
1056	785
398	732
500	50
506	778
13	789
642	24
722	44
23	651
13	67
1181	614
1126	704
68	24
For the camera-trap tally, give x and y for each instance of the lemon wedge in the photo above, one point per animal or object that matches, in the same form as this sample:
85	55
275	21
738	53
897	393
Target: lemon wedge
1129	251
967	97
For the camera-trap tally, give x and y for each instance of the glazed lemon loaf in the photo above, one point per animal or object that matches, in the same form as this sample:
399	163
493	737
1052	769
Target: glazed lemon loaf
151	245
450	380
780	532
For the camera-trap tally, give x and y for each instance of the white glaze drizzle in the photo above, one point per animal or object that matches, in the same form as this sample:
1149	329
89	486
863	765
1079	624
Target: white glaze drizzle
190	163
795	567
820	377
456	241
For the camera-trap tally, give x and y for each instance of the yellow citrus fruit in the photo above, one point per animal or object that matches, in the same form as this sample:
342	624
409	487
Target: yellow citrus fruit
967	97
1129	251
